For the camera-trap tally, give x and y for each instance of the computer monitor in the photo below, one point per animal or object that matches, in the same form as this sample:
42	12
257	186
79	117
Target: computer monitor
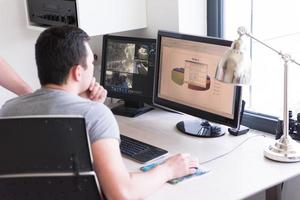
127	72
184	82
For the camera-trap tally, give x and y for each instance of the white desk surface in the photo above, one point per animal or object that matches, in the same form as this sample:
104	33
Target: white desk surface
238	175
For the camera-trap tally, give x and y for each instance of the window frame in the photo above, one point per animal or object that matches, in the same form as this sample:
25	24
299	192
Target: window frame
215	22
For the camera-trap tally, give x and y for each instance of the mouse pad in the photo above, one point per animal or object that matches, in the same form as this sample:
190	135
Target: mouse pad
199	172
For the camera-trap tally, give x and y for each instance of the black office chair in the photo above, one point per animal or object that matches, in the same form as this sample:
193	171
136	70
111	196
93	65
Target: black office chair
46	158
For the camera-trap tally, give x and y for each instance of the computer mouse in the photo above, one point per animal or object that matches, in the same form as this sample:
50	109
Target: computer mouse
197	170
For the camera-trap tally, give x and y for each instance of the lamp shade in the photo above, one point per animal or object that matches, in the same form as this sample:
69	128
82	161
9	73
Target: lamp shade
235	65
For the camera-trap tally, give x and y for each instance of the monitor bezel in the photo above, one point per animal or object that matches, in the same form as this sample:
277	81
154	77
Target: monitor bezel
171	105
126	97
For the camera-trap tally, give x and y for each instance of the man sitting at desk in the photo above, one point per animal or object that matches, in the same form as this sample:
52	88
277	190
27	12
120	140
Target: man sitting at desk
65	68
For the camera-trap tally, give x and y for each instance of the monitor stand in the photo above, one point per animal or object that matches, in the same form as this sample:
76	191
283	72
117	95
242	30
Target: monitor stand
131	109
199	128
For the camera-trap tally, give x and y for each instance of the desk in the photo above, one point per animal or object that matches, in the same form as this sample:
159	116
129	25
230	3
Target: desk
238	175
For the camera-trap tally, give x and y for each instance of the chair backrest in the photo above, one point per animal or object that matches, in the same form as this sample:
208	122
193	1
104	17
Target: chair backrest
46	157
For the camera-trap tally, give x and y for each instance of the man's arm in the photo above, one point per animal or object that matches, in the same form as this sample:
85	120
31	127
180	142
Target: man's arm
11	80
117	183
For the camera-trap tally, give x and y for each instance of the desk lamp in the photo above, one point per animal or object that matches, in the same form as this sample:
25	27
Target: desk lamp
234	68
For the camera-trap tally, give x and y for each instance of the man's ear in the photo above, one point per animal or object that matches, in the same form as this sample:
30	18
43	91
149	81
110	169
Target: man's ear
76	72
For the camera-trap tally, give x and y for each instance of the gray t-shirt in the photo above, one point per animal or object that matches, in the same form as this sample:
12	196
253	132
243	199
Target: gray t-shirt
100	122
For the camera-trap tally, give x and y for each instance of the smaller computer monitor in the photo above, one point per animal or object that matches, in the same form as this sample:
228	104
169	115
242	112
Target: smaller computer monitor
184	82
127	72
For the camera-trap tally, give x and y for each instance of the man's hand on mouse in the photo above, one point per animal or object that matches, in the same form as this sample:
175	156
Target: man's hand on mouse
181	165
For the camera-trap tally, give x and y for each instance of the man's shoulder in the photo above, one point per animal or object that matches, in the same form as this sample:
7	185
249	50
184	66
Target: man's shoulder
45	101
17	100
98	108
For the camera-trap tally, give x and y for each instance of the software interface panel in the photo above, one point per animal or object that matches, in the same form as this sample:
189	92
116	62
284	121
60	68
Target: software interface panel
187	76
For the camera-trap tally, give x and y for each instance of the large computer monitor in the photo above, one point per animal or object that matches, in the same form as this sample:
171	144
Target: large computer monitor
127	72
184	81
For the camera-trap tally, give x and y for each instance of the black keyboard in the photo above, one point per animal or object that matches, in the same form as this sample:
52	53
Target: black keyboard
139	151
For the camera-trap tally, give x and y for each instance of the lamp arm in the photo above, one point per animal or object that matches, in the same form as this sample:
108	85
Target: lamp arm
286	57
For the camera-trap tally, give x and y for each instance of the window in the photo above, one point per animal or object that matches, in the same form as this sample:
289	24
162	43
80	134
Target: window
275	23
270	22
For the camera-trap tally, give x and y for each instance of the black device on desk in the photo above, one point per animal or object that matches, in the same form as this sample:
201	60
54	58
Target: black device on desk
294	127
184	82
140	151
127	72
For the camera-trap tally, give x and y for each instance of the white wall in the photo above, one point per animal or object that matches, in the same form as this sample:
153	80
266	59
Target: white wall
161	15
192	17
17	44
184	16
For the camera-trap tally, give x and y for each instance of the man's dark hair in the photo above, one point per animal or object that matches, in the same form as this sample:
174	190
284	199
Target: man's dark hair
57	50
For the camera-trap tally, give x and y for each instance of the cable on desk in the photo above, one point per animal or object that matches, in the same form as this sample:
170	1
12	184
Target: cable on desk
224	154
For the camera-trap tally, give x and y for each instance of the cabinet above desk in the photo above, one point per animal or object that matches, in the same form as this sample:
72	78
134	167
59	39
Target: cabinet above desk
96	17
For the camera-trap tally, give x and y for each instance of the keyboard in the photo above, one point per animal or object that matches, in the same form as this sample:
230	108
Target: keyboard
139	151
